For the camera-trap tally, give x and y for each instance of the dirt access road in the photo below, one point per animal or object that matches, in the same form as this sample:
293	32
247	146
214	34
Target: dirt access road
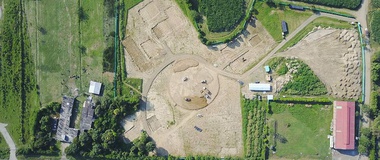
9	141
245	76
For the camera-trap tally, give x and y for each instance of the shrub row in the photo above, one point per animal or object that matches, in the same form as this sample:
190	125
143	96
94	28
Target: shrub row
302	100
349	4
375	26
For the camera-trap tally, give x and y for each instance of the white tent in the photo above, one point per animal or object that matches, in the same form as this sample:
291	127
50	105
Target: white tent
259	87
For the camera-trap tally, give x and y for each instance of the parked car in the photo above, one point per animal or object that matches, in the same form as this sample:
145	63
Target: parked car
198	129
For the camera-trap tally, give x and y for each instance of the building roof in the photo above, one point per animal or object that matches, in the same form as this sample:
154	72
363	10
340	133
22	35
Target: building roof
267	68
95	87
64	132
259	87
344	125
269	97
284	27
87	116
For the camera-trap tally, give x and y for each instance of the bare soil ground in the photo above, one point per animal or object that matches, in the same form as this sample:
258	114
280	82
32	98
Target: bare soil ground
197	84
172	126
157	29
334	56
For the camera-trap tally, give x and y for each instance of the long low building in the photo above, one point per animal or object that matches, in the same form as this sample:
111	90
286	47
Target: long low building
260	87
64	132
87	115
344	125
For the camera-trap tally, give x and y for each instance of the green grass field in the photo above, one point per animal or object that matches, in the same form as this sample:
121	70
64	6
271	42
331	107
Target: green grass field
93	39
303	131
271	18
56	36
53	28
321	21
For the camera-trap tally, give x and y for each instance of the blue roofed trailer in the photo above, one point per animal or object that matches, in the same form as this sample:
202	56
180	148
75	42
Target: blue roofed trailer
297	7
284	27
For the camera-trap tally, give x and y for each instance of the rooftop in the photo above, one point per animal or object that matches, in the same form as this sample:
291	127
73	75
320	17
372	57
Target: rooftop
259	87
64	132
95	87
87	116
344	125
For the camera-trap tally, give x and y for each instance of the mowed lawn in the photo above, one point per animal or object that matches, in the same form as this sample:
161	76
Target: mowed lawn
305	130
271	18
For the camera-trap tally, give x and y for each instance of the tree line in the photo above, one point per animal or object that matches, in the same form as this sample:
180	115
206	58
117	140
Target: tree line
349	4
17	73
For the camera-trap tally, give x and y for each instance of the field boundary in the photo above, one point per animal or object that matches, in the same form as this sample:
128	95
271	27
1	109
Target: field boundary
363	61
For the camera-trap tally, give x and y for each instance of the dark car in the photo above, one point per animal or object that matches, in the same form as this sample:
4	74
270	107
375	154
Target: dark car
198	129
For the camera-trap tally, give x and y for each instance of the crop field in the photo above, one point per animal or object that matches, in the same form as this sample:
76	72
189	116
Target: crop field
271	18
299	131
19	100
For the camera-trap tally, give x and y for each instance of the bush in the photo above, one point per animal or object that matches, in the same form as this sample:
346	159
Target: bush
350	4
222	15
304	82
283	69
375	26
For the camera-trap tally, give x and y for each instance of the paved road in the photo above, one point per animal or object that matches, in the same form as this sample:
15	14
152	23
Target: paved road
9	141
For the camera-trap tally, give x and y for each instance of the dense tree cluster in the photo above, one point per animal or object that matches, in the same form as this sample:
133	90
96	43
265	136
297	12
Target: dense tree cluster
350	4
222	15
43	142
105	140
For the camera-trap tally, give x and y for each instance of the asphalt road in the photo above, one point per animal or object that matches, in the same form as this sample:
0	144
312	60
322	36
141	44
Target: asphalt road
9	141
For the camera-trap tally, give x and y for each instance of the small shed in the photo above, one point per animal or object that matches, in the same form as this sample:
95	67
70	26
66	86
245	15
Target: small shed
270	97
296	7
284	26
95	87
267	69
260	87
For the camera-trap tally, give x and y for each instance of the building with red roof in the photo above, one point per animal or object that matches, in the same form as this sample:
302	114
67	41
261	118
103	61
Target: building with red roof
344	125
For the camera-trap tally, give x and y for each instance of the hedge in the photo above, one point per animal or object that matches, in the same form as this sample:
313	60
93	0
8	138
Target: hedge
349	4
